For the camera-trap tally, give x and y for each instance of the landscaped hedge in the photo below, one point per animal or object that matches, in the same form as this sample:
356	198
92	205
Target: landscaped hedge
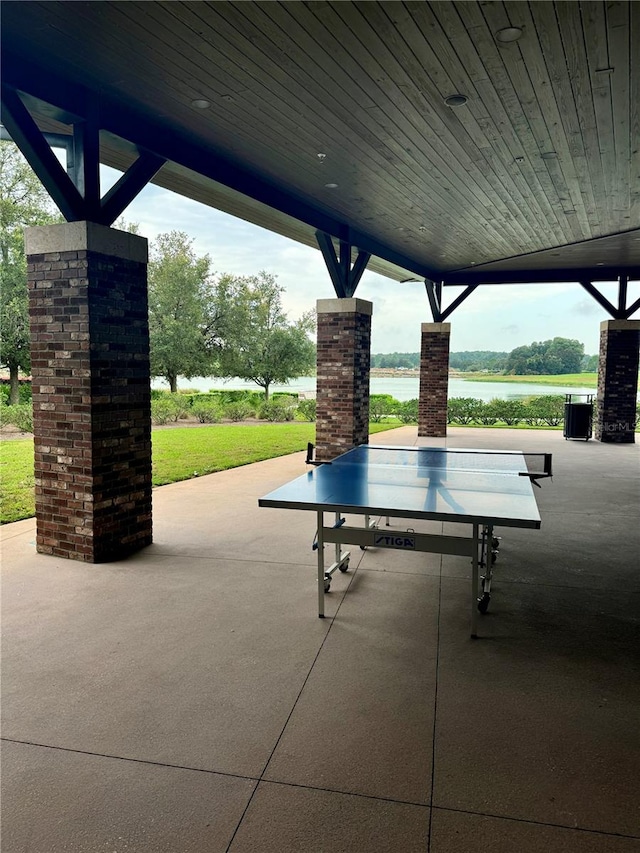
543	411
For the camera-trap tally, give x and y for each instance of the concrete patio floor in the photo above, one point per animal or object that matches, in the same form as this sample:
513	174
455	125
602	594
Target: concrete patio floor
189	699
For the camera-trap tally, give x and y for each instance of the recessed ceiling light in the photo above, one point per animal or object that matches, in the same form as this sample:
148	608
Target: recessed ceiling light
549	155
200	103
508	34
456	100
331	186
600	264
519	160
321	157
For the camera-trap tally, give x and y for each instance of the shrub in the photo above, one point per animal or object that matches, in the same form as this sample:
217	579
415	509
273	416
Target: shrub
307	409
407	411
20	415
206	411
24	392
281	408
165	409
510	412
487	414
242	396
548	409
183	405
239	411
381	405
463	410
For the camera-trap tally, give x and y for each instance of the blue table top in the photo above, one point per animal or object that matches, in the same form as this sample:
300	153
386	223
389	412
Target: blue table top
446	484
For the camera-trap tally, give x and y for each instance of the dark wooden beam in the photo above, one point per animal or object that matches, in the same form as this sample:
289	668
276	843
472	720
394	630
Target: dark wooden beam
29	139
359	266
77	194
631	309
577	275
85	172
602	300
123	192
622	294
458	301
329	254
434	295
176	146
345	278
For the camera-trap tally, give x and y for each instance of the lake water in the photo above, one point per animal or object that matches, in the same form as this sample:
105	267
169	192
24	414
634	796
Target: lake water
401	388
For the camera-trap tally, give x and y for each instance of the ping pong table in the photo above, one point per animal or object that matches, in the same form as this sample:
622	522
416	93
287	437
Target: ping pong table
481	488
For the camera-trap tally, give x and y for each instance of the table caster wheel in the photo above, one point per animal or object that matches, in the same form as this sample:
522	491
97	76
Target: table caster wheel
327	583
483	603
344	567
495	542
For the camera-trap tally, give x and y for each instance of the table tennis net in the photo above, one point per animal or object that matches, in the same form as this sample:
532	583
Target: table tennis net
534	465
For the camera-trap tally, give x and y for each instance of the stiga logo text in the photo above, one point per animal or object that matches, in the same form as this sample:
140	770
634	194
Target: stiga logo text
382	540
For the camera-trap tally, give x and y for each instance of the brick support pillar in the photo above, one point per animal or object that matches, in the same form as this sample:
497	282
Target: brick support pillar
617	381
344	361
434	379
91	390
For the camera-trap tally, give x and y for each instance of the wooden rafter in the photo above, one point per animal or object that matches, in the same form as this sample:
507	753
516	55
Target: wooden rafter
344	276
434	294
76	192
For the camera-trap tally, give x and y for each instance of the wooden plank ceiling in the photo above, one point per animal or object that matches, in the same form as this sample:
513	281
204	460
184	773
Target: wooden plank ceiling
333	115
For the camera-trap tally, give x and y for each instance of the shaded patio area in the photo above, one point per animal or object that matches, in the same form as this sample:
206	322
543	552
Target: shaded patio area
189	699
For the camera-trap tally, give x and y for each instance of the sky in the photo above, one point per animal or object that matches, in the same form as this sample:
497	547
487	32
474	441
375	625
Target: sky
498	317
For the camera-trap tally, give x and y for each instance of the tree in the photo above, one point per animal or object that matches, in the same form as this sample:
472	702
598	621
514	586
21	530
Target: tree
560	355
183	318
259	343
566	353
23	202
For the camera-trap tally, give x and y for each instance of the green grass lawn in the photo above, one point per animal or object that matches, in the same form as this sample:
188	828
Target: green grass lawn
16	480
178	454
587	380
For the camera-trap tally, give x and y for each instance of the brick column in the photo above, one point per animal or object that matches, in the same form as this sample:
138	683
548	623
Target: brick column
91	390
434	379
344	360
617	381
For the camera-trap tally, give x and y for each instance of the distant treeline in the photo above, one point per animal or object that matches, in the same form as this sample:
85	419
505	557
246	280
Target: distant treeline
559	355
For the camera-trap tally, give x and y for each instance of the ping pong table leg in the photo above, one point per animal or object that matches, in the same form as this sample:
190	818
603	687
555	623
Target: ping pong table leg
320	564
475	580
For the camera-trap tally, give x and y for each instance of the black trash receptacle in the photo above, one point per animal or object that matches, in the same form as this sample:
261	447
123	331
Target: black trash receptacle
578	417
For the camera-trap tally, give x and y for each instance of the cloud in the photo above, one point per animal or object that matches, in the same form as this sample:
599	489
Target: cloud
587	307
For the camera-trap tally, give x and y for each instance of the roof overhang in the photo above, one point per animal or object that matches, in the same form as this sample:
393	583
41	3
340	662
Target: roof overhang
535	178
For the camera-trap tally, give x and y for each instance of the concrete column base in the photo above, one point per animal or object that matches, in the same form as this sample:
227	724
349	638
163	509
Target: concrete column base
344	361
91	390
